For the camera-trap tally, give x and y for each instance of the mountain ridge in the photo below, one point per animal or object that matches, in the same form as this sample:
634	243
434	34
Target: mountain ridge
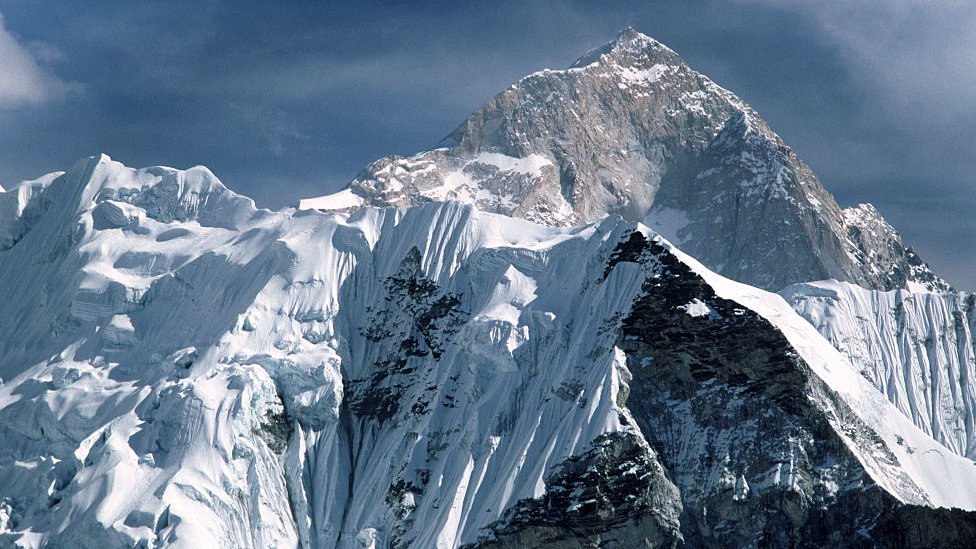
192	370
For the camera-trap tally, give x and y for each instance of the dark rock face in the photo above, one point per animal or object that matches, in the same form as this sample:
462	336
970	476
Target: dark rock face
754	211
913	526
879	244
614	495
276	430
414	320
746	432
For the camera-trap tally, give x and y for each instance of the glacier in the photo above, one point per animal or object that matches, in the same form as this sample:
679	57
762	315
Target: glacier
916	347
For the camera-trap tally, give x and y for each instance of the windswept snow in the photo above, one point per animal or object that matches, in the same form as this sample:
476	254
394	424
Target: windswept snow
342	200
916	346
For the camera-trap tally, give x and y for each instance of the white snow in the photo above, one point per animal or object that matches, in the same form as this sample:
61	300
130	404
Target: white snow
643	77
530	165
697	307
670	223
915	346
342	200
468	183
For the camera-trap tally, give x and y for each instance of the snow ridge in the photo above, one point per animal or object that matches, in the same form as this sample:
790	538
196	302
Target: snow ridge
181	368
915	347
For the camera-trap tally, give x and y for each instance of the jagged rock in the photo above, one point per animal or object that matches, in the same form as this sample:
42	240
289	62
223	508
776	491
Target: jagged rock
615	494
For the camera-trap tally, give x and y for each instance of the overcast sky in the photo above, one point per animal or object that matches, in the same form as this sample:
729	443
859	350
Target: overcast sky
289	100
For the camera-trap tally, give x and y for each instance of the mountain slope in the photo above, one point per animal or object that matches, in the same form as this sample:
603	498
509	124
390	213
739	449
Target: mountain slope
916	347
182	369
631	129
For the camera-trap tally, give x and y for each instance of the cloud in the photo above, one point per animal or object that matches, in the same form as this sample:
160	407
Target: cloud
920	54
274	126
25	80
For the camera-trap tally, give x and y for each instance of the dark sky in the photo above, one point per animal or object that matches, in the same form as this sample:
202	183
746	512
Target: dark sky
285	100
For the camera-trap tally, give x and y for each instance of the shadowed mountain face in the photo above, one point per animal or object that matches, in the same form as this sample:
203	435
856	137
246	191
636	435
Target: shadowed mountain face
630	129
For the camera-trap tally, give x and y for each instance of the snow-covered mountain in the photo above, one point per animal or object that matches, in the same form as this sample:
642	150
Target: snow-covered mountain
631	129
391	367
183	369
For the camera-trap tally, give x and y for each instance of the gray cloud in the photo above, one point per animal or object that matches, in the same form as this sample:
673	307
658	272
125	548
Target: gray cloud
25	80
909	144
274	125
919	56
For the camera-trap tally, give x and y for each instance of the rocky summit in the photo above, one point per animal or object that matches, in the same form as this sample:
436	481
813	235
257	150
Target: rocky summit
555	331
631	129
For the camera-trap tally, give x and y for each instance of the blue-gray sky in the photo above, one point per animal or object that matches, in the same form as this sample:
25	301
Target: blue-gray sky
285	100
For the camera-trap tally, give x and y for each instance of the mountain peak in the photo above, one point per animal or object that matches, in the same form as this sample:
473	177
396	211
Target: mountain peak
631	129
632	38
630	48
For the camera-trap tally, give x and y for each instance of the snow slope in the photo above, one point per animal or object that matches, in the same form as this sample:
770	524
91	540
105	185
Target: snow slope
182	369
927	462
151	347
916	347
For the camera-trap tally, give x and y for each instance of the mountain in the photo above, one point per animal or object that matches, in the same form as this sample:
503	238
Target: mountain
630	129
430	358
181	368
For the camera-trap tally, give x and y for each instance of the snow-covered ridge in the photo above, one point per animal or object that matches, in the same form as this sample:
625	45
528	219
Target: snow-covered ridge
342	200
628	42
493	181
183	369
929	464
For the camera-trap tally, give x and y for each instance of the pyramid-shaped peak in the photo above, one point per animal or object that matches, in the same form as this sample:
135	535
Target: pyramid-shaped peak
630	35
631	48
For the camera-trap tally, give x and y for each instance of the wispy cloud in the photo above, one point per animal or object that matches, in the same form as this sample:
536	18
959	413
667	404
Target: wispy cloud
274	126
922	54
24	80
